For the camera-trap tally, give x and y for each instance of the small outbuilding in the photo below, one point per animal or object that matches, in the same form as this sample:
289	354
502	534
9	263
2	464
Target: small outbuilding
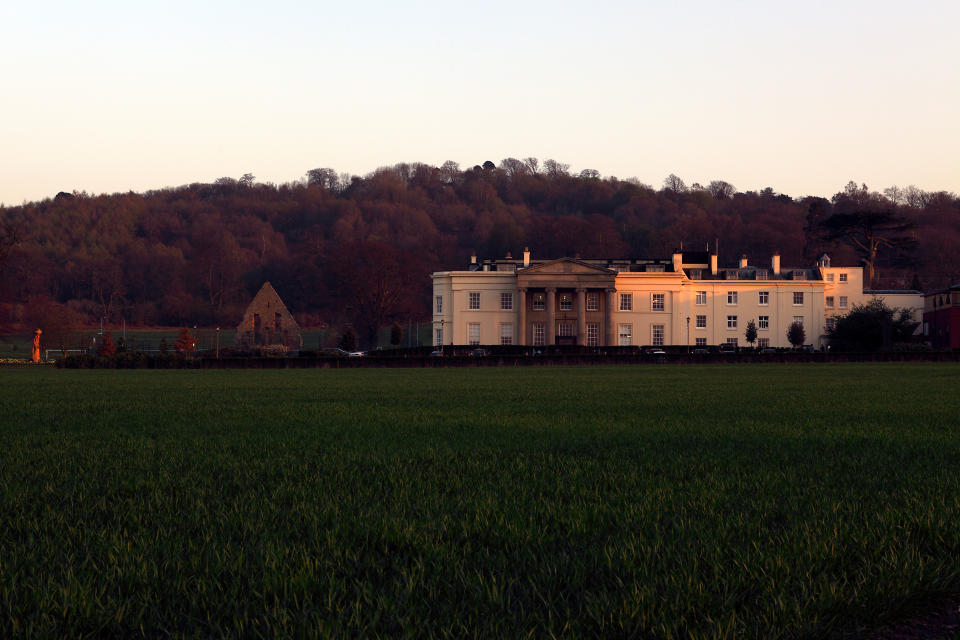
268	323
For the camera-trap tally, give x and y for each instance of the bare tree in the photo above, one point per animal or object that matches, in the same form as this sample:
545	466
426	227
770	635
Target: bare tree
326	178
513	167
721	189
673	183
555	169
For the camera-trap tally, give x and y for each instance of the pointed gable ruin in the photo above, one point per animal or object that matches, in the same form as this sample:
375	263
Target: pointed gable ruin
267	322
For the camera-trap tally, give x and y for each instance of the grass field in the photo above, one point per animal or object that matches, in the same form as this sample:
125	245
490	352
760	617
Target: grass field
659	501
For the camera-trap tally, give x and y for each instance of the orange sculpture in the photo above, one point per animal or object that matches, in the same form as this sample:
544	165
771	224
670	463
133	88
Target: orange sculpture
35	355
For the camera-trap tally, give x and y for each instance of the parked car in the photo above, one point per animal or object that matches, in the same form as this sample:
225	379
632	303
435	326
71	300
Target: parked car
343	353
479	352
768	350
436	353
701	352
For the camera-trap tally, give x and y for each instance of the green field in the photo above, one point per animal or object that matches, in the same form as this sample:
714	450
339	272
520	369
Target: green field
650	501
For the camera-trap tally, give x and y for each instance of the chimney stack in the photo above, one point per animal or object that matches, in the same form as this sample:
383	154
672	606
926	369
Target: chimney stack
526	256
713	264
743	261
775	263
677	261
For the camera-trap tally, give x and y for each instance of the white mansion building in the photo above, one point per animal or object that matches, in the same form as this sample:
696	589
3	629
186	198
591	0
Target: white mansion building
684	300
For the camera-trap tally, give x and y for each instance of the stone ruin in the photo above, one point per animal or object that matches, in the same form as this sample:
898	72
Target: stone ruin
267	325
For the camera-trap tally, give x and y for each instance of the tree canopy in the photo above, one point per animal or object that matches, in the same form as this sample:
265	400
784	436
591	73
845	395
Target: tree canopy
349	249
871	327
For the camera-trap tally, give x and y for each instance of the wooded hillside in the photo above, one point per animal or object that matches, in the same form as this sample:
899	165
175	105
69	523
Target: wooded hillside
360	249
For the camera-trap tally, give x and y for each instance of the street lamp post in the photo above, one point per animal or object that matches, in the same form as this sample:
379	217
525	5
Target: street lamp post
218	343
688	334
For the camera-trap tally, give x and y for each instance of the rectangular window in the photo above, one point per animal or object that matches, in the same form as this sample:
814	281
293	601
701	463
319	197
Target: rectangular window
829	277
701	297
829	300
799	274
762	274
593	334
731	322
539	333
831	324
763	343
593	302
843	302
439	308
473	333
696	274
732	341
763	322
625	332
438	337
506	333
276	321
506	302
566	302
733	274
731	297
626	302
657	301
654	268
657	331
701	322
565	329
797	298
701	342
843	277
474	300
798	319
539	302
763	297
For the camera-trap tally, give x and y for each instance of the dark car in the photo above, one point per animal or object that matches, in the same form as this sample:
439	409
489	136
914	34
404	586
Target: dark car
479	352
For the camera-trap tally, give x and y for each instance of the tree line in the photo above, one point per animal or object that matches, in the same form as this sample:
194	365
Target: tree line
358	250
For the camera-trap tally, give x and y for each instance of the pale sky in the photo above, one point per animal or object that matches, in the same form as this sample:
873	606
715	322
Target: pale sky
802	97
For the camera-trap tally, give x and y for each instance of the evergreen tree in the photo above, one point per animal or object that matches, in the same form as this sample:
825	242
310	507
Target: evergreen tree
348	341
796	335
751	333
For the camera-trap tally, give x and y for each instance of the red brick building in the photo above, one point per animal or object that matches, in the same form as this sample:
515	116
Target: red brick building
941	318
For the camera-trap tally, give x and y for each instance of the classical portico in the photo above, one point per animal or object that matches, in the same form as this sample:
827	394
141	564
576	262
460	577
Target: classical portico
566	302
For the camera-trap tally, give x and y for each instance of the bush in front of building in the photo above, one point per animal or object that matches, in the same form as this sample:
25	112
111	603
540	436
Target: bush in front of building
872	327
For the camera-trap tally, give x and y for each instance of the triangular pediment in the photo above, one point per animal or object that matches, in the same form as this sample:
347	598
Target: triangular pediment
268	300
566	266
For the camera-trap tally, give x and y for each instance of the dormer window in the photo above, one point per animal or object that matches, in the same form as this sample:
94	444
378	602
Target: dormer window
799	274
655	268
696	274
762	274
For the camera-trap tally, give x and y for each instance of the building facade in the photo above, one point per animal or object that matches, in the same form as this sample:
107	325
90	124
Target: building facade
267	322
941	318
686	299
